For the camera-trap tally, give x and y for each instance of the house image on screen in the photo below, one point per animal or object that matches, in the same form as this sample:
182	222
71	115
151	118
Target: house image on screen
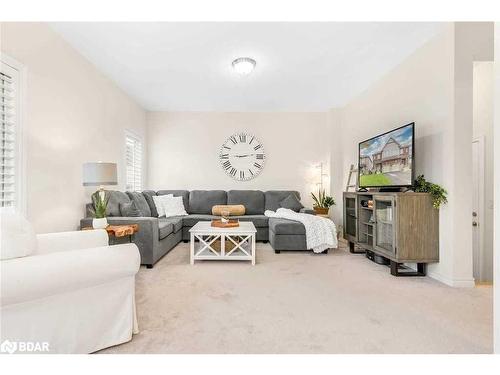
365	164
392	157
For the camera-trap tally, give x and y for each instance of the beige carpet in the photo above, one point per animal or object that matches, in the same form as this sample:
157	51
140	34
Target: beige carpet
298	302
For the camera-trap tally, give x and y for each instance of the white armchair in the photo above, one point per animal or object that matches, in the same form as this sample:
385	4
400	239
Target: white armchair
74	292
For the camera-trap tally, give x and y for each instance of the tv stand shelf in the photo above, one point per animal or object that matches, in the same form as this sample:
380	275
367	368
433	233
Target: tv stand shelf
401	227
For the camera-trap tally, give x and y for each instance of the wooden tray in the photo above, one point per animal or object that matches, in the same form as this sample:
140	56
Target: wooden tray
232	223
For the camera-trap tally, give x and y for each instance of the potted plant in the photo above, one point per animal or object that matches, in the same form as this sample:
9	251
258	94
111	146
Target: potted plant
438	193
322	202
100	205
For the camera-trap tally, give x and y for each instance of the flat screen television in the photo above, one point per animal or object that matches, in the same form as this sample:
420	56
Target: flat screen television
386	161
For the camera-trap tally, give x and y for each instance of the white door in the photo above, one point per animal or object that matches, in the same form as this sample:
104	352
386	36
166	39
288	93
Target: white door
477	207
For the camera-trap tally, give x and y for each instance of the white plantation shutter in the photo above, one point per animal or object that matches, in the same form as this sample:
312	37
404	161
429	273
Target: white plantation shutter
9	189
133	162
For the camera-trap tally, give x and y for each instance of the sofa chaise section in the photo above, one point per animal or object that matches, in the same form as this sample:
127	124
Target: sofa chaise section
285	234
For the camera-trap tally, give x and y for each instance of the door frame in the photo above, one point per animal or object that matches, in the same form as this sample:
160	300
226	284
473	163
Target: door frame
480	214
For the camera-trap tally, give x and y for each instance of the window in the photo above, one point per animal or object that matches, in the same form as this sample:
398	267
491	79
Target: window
10	139
133	162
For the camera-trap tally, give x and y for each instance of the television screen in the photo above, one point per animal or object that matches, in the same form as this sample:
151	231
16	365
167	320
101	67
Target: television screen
387	160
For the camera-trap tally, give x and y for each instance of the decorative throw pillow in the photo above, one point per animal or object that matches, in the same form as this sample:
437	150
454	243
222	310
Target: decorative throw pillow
17	237
149	194
173	206
130	209
291	202
158	199
234	209
140	202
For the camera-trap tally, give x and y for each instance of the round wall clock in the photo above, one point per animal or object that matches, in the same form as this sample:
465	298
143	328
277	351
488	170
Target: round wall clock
242	156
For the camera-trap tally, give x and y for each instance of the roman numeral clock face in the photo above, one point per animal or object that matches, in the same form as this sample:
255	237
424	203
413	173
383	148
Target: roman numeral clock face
242	156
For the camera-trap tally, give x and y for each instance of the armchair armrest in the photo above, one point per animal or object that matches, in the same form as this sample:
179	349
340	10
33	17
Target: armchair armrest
40	276
75	240
307	211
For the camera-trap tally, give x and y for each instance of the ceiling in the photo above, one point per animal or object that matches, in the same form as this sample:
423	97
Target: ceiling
169	66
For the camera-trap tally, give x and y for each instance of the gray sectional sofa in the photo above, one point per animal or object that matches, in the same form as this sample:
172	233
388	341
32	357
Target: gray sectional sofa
158	235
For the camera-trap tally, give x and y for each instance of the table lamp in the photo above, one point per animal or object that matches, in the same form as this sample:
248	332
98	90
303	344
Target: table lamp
99	174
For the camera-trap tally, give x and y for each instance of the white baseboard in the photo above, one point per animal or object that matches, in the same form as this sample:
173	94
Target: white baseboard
456	283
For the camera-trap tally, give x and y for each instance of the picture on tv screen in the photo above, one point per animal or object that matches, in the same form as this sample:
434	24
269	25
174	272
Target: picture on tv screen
387	160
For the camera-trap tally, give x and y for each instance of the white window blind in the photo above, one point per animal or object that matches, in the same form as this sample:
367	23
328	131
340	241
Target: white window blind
9	79
133	162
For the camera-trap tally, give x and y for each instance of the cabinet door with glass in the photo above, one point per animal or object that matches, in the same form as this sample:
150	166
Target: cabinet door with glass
384	210
350	217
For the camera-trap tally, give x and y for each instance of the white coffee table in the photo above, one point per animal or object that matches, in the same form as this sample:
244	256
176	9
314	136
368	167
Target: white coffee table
211	244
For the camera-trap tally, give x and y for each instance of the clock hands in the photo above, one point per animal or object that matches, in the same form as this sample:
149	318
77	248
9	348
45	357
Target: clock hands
226	156
243	156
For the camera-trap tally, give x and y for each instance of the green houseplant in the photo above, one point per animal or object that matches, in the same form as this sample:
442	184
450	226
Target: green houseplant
322	202
99	210
438	193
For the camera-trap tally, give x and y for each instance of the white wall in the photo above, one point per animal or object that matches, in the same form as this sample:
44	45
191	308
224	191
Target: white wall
73	115
483	127
432	88
338	173
184	149
496	235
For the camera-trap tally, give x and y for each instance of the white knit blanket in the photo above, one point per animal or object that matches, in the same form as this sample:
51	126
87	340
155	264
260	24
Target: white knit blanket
321	233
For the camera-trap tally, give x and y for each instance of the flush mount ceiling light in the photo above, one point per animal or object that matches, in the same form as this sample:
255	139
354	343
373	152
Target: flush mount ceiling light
244	65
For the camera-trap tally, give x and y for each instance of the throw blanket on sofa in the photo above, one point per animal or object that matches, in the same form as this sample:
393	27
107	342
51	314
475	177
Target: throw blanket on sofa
321	233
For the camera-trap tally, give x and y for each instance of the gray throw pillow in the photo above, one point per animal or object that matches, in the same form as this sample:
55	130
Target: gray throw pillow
148	194
291	202
129	209
140	202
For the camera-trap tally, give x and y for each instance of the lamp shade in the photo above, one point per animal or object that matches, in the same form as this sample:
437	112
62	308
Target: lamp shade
96	174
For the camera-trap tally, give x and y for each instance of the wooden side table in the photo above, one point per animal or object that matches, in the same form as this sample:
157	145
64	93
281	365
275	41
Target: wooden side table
119	231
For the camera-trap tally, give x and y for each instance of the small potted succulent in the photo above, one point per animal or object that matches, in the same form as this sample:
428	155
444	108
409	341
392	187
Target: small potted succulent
100	205
322	202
